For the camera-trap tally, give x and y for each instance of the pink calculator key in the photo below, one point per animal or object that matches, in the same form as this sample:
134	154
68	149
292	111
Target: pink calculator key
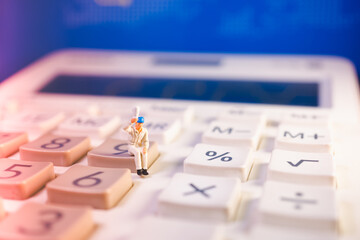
10	142
60	150
21	179
97	187
113	154
35	221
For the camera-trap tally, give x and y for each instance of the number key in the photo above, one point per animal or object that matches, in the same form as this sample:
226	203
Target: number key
113	154
46	221
98	187
60	150
10	142
21	179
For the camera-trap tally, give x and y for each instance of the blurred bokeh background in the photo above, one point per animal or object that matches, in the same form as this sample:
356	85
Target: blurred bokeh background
31	28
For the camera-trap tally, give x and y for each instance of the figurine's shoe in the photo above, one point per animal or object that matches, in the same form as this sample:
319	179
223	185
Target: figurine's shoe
145	172
139	172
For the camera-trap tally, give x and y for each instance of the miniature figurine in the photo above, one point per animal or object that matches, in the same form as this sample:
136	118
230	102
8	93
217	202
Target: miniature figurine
139	142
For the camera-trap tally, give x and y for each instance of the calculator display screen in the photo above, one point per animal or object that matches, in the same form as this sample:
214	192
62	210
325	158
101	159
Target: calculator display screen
296	93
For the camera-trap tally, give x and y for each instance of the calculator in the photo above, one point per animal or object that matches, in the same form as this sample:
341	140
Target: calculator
240	147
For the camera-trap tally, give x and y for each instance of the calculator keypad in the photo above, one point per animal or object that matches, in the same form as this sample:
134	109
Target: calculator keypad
10	142
21	179
113	153
46	221
97	187
60	150
229	177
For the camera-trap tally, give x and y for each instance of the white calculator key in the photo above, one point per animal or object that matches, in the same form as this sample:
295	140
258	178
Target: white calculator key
232	134
307	118
242	114
166	229
184	113
200	197
304	139
302	168
298	205
162	130
34	121
86	125
214	160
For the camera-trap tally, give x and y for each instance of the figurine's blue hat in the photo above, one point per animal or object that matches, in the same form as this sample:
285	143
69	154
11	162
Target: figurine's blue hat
140	120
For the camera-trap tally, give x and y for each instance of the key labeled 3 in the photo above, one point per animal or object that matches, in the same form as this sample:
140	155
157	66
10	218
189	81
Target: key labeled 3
304	139
10	142
82	185
214	160
232	134
114	153
46	221
200	197
302	168
21	179
60	150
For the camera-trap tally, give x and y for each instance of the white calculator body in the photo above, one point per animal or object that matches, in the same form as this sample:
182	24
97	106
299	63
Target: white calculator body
250	146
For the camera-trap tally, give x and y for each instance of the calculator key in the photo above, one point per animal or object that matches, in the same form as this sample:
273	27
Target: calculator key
214	160
307	118
87	125
232	134
35	221
298	205
34	121
10	142
21	179
184	113
163	130
165	229
304	139
83	185
302	168
242	114
2	211
200	197
60	150
113	153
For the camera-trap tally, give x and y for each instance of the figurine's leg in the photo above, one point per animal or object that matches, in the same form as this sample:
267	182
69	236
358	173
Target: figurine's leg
144	164
137	157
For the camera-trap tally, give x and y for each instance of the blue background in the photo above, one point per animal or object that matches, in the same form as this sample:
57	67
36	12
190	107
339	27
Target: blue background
30	29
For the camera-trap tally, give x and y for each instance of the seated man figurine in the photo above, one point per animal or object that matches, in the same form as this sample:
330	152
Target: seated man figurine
138	144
